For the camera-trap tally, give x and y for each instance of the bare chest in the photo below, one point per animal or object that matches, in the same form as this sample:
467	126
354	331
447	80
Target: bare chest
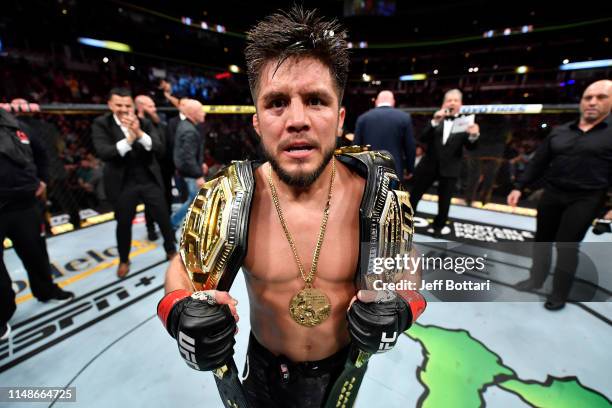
270	258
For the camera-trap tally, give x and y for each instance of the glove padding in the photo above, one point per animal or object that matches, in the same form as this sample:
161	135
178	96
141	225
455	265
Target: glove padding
374	327
204	333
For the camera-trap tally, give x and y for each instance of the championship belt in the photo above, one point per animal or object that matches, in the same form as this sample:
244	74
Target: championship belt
213	247
386	230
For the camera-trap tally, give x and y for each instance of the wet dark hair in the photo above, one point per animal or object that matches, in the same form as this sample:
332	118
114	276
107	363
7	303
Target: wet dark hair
119	92
297	33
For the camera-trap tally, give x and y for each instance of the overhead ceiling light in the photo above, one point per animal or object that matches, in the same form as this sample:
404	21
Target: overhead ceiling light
109	45
105	60
234	68
585	64
470	69
565	61
413	77
366	77
522	69
435	71
475	69
132	68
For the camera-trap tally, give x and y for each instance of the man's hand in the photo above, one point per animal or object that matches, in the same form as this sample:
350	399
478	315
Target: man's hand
376	318
204	168
439	115
473	129
42	186
200	182
513	197
131	122
203	324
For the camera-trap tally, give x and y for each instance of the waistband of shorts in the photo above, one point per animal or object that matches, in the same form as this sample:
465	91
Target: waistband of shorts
328	363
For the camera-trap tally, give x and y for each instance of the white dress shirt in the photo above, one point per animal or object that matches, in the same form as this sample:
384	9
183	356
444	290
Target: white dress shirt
123	146
448	127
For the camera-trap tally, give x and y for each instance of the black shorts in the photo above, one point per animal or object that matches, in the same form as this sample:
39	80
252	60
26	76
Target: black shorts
275	381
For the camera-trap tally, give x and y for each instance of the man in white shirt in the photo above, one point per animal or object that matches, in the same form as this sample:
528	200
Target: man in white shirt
128	145
443	159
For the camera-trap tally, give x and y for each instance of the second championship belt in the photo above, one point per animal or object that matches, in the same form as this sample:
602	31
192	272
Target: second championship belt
213	246
386	230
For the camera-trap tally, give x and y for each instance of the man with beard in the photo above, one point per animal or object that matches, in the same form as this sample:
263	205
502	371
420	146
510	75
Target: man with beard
128	146
305	308
576	162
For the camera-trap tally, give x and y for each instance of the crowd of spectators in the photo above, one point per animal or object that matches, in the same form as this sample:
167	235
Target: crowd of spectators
227	137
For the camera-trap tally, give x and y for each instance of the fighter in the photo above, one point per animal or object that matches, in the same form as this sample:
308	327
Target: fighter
343	207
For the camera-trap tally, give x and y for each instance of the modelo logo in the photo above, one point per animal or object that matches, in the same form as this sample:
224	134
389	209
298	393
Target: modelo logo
90	259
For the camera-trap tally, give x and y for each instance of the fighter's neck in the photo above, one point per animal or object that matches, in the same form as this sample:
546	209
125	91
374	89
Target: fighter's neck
317	191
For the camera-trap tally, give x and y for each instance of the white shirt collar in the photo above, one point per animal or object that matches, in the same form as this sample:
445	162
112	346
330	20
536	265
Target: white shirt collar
183	117
383	104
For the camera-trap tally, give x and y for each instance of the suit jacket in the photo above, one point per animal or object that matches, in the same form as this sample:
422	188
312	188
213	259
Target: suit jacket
188	150
105	134
390	129
443	158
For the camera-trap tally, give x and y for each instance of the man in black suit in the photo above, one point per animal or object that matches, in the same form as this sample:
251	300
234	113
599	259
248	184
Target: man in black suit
443	159
128	145
390	129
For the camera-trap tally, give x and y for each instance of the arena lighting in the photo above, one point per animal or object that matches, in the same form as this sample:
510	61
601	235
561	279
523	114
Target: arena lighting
522	69
366	77
234	68
565	61
105	60
508	31
203	25
585	64
132	68
413	77
109	45
435	71
223	75
544	125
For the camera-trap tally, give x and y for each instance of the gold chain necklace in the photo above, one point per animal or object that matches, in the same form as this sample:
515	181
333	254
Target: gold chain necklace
310	306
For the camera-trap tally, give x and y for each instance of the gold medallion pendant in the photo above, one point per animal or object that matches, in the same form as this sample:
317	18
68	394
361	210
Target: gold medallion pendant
310	307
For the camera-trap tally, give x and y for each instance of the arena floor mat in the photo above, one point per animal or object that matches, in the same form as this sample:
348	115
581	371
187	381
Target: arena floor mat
110	346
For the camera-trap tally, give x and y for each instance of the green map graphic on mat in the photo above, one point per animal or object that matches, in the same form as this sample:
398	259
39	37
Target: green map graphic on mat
457	369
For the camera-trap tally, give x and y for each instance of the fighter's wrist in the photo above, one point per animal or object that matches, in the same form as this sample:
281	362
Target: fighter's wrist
167	304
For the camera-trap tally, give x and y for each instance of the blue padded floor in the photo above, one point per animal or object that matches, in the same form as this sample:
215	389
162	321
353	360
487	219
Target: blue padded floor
109	344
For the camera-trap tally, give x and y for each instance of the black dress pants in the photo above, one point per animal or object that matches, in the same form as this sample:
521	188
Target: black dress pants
477	166
446	188
25	228
564	217
167	179
152	195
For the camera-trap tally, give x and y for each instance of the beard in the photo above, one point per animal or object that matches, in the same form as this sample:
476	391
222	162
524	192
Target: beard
302	179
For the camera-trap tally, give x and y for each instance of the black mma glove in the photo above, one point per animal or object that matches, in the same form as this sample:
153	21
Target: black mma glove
203	329
374	326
